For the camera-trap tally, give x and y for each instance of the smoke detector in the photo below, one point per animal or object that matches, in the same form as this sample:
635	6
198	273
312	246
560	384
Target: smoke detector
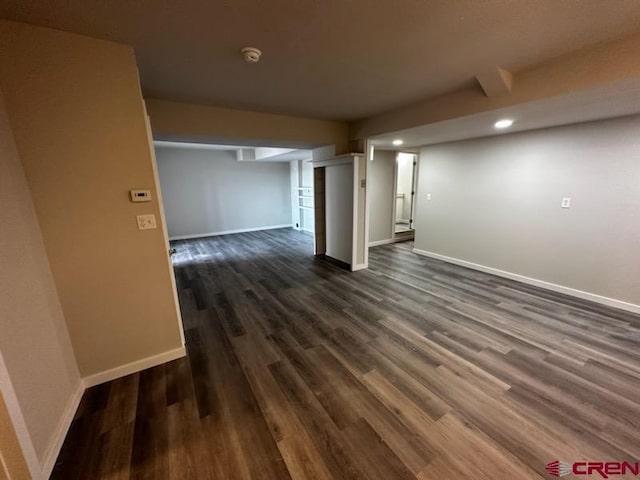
251	54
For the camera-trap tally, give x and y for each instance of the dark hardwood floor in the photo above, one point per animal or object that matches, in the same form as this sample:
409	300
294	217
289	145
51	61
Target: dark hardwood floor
412	369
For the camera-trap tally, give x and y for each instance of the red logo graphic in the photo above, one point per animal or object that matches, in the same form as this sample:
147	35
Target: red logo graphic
558	468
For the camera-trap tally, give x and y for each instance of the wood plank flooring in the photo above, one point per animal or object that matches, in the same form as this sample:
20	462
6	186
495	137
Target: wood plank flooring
413	369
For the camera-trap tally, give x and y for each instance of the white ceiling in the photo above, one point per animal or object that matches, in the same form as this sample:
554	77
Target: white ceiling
338	59
290	156
249	153
613	101
199	146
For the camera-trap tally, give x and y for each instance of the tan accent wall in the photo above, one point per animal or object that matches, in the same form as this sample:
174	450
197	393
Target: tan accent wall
199	123
12	462
34	343
584	69
78	119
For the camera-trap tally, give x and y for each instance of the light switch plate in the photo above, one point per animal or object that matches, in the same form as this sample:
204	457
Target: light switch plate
566	202
428	196
140	195
146	222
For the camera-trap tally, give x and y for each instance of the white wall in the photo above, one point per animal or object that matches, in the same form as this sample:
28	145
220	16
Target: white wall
496	202
380	180
208	191
34	342
306	173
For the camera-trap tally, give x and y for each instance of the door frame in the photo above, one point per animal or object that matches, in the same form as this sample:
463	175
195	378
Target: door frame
414	191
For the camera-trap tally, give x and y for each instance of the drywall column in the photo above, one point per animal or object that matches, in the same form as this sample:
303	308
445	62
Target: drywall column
340	208
79	123
339	211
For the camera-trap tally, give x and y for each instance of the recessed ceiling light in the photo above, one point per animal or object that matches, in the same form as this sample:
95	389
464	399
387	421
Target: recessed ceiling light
505	123
397	142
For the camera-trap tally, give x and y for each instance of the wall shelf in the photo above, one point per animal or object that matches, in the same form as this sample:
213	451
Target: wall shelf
302	197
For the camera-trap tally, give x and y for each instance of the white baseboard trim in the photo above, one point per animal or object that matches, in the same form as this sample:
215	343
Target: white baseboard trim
389	240
72	407
610	302
228	232
53	451
359	266
133	367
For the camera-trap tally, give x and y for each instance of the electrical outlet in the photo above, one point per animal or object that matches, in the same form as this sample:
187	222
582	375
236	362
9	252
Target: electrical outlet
146	222
428	196
566	202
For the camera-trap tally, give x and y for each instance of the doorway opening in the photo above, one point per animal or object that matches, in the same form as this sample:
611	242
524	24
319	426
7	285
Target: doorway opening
214	189
404	198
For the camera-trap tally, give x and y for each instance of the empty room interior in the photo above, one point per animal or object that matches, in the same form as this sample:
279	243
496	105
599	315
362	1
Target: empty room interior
319	240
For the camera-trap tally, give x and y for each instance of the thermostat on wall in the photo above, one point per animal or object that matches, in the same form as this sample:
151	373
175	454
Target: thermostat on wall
140	195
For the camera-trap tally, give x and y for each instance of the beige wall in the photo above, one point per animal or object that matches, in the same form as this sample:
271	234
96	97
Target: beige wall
34	342
380	182
199	123
78	119
496	202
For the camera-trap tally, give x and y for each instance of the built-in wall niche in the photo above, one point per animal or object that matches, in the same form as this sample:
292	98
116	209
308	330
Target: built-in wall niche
305	205
302	195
